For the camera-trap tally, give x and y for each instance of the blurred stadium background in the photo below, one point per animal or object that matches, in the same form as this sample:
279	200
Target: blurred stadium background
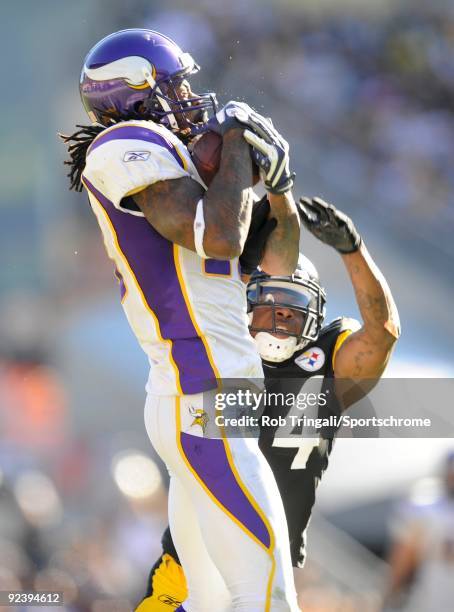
364	91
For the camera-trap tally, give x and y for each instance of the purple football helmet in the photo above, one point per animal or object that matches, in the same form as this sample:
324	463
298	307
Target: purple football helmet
133	74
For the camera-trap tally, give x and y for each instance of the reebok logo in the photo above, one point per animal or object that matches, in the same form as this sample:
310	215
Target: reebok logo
136	156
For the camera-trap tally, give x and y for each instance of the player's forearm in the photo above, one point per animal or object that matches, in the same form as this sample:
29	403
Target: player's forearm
373	295
170	206
228	201
282	247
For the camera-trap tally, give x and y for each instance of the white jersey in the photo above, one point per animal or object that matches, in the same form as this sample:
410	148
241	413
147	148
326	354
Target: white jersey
188	314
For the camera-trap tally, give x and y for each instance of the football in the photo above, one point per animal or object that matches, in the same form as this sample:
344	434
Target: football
206	155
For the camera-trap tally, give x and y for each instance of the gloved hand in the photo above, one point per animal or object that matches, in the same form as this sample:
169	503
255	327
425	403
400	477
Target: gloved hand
329	225
270	152
233	115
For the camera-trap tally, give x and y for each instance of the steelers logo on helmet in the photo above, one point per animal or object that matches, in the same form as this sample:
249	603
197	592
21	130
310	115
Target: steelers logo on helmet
311	360
285	312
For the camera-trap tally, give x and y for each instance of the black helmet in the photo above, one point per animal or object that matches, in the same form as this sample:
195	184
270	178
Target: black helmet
299	293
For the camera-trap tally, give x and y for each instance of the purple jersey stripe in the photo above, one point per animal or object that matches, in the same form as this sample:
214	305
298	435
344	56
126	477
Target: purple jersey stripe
216	266
133	132
150	257
209	460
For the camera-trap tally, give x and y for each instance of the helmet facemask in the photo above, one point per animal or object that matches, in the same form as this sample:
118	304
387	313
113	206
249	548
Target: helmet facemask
285	314
182	115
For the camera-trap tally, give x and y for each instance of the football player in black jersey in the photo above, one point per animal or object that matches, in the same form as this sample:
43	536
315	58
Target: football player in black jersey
287	322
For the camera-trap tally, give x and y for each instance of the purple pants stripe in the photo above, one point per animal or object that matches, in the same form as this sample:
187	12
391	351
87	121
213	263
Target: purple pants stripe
209	460
150	257
134	132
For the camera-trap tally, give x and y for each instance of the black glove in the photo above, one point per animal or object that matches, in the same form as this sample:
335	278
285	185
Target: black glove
329	225
259	231
270	152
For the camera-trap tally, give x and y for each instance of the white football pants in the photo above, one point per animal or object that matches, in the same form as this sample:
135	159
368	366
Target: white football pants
225	513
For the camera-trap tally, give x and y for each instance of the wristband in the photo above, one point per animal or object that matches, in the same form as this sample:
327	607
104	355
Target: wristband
199	230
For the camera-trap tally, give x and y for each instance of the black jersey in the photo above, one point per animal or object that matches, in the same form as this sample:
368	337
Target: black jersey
298	480
298	469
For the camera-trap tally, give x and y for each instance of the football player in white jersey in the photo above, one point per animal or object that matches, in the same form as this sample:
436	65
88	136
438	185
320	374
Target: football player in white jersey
175	246
300	353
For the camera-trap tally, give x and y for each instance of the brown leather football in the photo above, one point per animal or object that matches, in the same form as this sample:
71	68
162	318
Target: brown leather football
206	155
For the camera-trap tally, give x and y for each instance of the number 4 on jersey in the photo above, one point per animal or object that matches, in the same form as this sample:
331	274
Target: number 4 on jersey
285	436
305	447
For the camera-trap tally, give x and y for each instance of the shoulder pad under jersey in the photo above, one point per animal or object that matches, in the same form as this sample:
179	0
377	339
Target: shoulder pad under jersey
339	325
126	158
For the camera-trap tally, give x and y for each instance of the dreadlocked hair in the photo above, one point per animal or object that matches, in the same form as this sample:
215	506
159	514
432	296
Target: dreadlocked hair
78	144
